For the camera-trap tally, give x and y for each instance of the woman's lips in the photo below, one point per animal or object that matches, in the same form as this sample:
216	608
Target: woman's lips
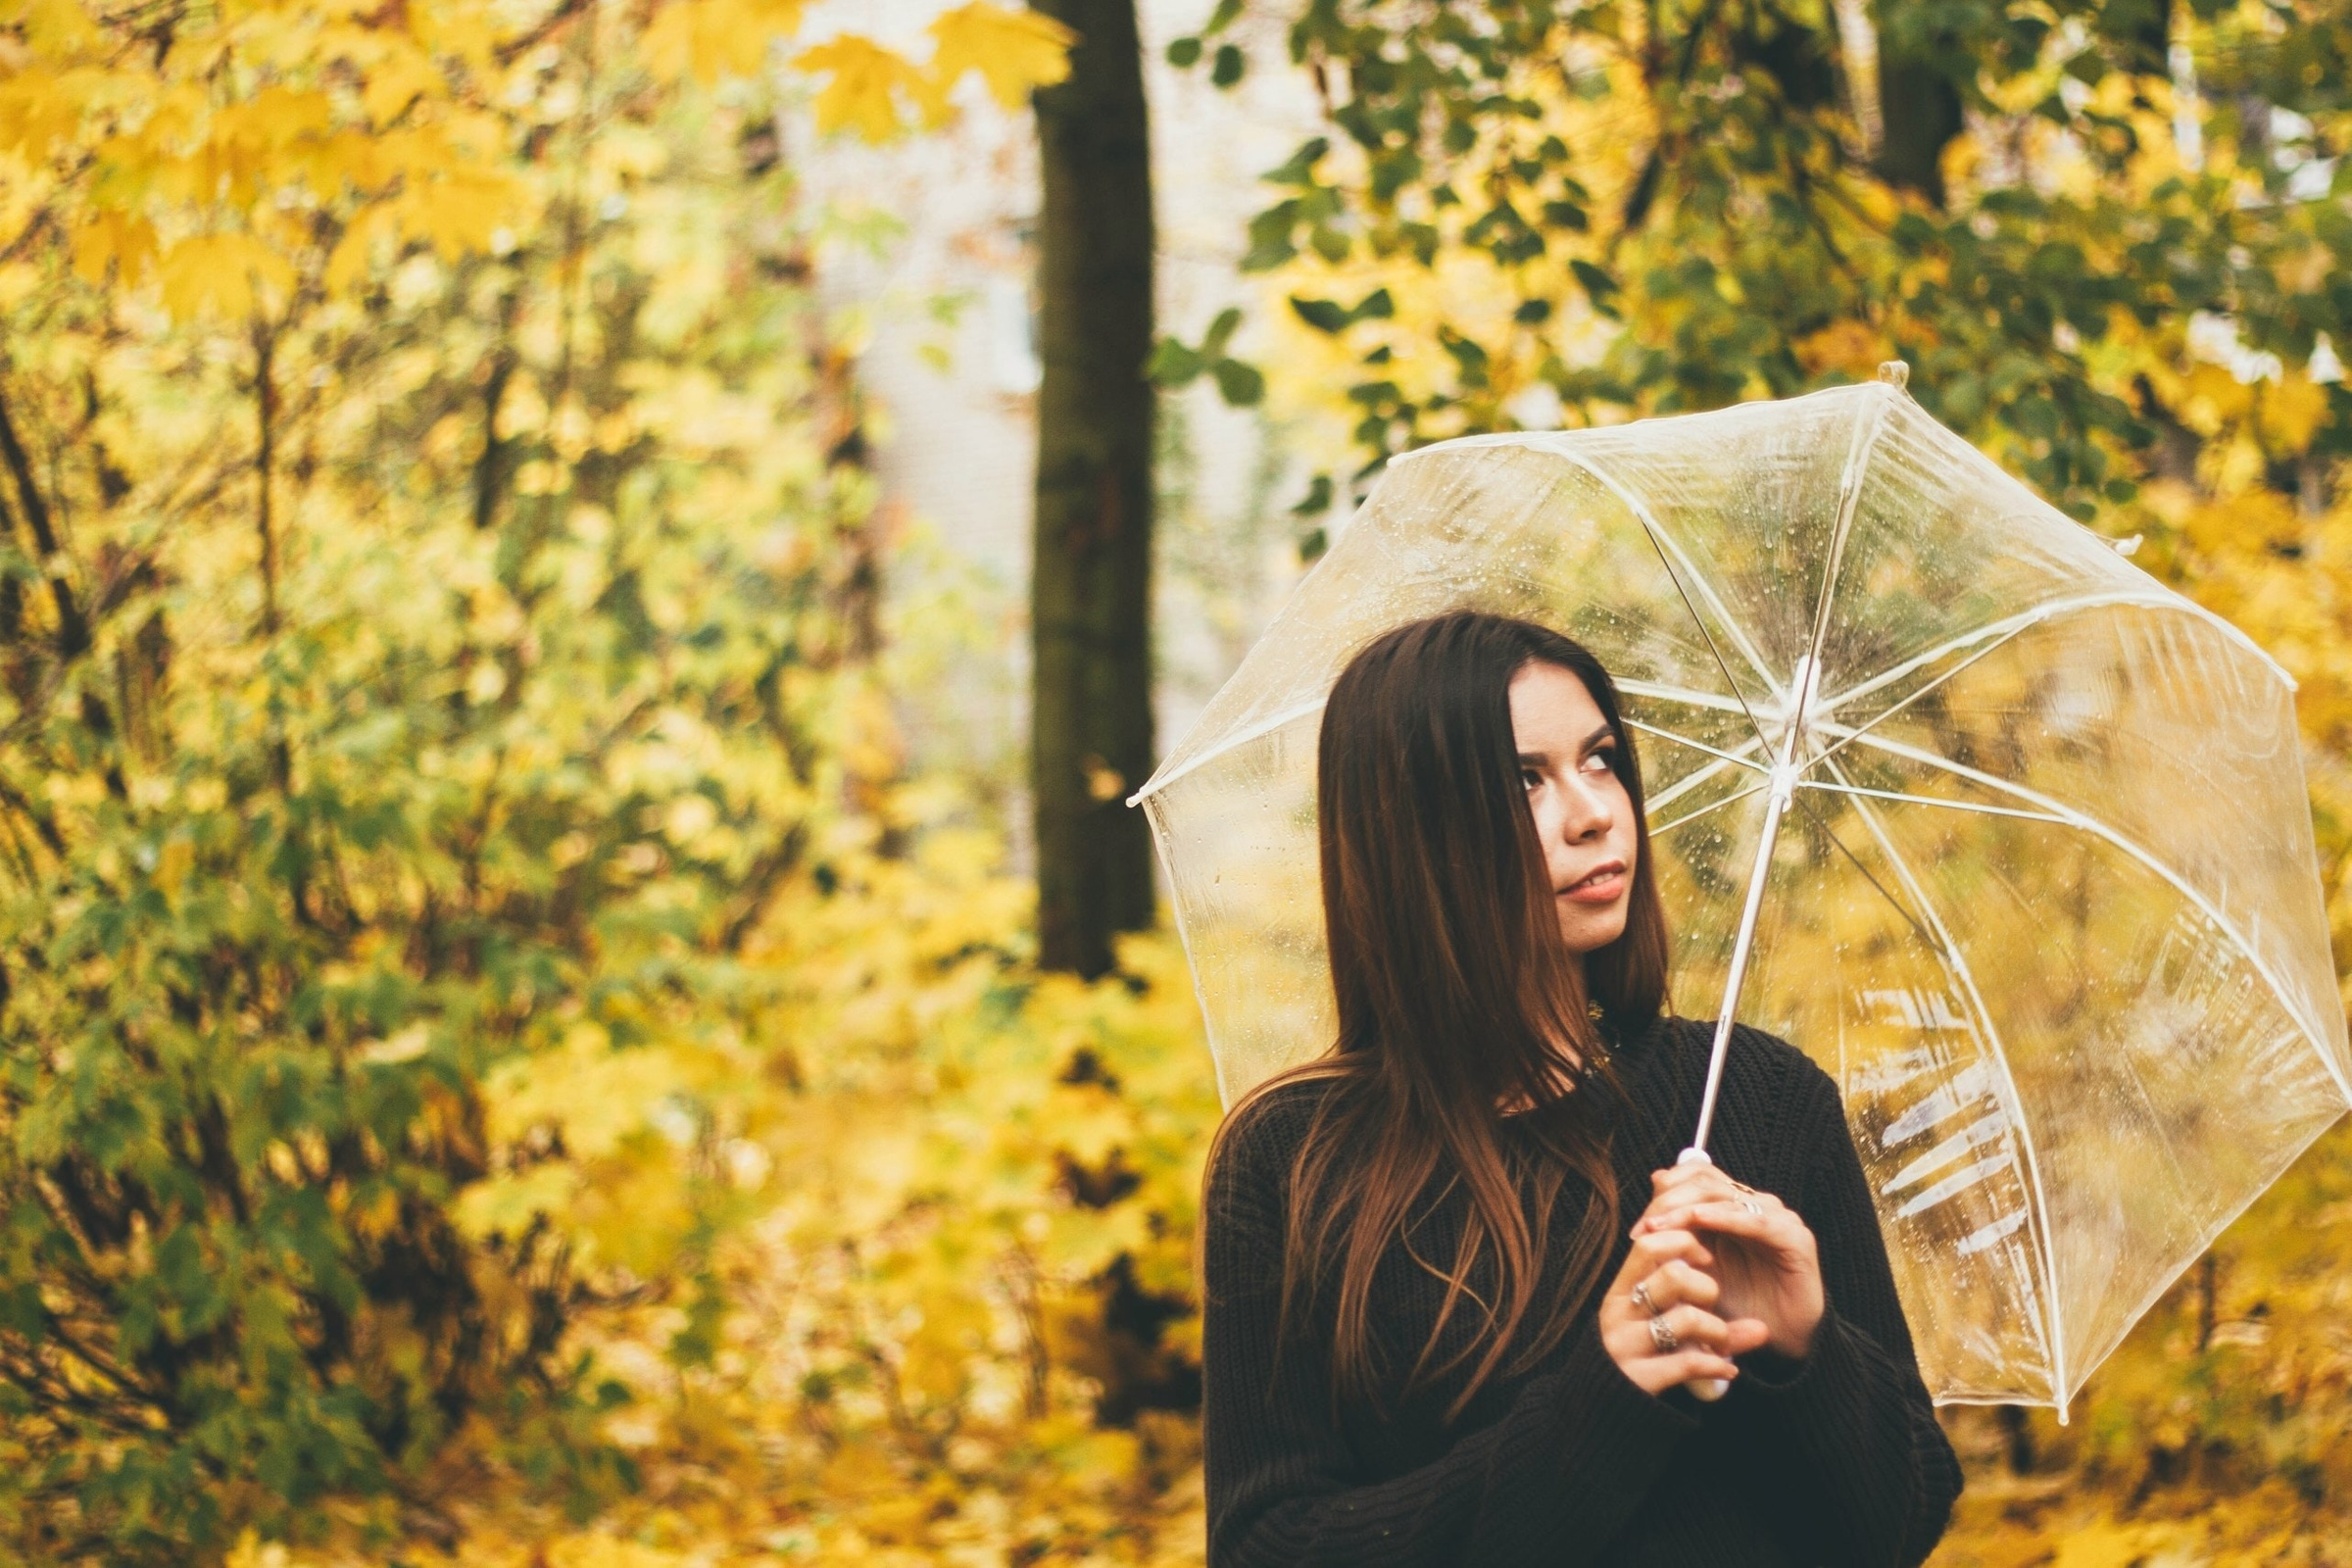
1604	885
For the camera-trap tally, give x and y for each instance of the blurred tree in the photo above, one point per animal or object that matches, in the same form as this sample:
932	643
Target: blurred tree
1090	563
434	591
1591	212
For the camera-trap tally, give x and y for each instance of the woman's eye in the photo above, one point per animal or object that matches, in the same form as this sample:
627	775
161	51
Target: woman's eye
1599	761
1529	778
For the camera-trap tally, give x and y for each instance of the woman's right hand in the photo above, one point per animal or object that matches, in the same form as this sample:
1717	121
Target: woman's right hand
1670	1267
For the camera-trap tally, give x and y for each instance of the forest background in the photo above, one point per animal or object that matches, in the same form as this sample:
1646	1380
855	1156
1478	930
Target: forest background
503	1057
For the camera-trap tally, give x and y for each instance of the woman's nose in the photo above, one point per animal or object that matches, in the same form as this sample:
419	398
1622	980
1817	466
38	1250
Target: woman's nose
1584	812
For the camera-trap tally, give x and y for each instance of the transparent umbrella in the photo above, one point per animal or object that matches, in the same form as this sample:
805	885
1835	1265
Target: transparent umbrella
2008	836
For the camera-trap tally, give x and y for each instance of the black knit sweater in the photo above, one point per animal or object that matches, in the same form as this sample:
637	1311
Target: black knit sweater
1833	1460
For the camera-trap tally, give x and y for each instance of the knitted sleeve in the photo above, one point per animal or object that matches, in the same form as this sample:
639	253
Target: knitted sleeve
1553	1481
1859	1466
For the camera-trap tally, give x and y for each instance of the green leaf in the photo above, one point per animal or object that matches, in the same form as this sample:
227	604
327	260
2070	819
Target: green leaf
1597	284
1185	52
1300	169
1324	316
1172	365
1270	243
1318	499
1227	68
1241	384
1220	332
1469	359
1392	172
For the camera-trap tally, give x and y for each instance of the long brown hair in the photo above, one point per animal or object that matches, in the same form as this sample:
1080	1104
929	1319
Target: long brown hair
1456	996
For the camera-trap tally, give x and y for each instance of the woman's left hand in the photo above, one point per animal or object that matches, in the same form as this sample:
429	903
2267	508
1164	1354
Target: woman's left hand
1765	1257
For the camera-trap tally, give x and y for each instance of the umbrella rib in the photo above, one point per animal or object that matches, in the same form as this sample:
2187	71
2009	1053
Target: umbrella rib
1682	787
1900	909
1946	948
2006	628
1659	541
1680	694
1863	442
2000	634
1263	728
1879	718
1804	682
1929	800
1711	805
2067	817
1697	746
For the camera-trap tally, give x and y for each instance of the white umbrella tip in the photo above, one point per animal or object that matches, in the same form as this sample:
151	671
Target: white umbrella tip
1896	373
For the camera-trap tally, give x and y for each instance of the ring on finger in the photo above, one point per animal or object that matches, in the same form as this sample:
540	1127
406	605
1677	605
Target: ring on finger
1641	1299
1755	1210
1662	1337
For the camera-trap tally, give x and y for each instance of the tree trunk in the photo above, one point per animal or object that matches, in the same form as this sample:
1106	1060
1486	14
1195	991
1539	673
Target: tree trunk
1919	107
1090	594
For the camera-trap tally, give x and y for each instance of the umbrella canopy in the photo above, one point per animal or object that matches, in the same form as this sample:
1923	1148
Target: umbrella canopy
2034	869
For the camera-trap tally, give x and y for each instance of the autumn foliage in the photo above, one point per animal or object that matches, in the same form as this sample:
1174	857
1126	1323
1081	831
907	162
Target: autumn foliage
438	628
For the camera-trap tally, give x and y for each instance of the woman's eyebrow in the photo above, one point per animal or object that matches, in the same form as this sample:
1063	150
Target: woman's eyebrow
1604	733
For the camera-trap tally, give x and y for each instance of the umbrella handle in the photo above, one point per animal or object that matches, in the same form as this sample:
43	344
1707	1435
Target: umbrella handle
1708	1390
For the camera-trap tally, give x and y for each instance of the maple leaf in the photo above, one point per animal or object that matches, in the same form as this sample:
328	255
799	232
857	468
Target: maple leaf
1015	51
221	274
707	39
347	266
122	241
866	81
459	211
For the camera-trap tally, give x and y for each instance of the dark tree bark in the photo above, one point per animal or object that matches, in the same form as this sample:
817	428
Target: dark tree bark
1090	594
1919	104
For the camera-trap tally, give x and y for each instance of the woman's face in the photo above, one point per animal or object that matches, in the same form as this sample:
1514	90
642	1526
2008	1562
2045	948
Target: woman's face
1584	818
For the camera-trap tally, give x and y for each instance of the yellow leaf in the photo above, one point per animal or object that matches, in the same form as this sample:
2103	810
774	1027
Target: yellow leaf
348	265
1854	347
57	28
397	79
707	39
460	211
2293	409
221	274
173	866
2104	1545
862	95
122	241
508	1203
1015	51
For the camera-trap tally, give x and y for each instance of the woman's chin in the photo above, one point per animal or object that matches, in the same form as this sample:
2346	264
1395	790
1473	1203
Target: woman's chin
1586	930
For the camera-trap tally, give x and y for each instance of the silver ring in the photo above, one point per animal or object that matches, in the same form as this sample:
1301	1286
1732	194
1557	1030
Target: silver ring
1662	1335
1641	1299
1756	1210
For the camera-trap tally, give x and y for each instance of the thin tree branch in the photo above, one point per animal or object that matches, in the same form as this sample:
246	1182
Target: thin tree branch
72	630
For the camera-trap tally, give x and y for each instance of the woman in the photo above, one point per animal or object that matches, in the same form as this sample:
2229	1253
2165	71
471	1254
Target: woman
1430	1336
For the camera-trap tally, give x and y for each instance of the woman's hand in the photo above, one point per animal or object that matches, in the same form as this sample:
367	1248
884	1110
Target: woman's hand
1766	1261
1664	1283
